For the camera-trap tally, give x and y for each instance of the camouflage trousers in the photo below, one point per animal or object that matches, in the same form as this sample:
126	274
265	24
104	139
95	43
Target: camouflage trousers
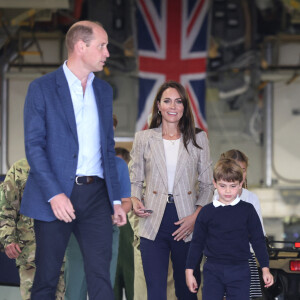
27	272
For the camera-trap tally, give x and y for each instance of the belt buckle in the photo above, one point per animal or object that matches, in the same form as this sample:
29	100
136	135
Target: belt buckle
76	180
89	179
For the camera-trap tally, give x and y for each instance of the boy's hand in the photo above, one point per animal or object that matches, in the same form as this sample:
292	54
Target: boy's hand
191	281
267	277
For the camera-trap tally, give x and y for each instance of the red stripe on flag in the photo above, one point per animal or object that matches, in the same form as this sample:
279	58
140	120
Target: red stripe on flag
195	16
156	35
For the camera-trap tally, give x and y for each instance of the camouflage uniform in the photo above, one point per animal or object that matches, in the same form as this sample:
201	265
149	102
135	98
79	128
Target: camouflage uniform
16	228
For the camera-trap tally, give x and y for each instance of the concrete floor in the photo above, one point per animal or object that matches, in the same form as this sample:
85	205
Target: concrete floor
13	293
10	293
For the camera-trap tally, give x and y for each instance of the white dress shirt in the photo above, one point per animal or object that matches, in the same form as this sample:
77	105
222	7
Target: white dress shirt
87	123
171	153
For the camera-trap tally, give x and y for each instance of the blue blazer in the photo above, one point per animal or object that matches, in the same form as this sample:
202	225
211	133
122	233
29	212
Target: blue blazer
51	142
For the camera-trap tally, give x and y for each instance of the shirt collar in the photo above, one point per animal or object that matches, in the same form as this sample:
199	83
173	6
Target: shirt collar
72	79
217	203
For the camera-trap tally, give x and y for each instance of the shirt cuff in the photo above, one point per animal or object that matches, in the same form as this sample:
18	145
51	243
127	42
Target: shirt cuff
51	199
117	202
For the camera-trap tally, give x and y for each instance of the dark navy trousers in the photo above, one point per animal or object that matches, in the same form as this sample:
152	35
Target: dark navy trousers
155	258
93	230
232	280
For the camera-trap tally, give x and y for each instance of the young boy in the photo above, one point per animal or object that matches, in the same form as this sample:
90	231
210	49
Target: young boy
222	232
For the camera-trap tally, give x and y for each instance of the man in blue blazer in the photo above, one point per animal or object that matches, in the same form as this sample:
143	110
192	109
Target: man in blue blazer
73	183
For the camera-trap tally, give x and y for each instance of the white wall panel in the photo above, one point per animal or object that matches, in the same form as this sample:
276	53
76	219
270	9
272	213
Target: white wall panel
286	138
17	91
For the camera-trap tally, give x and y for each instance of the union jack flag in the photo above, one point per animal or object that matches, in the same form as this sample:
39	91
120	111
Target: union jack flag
172	43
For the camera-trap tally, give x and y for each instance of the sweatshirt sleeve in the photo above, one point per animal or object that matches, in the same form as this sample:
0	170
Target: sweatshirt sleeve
198	241
257	239
253	199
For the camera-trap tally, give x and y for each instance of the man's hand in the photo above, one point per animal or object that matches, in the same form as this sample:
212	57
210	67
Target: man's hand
119	215
13	250
62	208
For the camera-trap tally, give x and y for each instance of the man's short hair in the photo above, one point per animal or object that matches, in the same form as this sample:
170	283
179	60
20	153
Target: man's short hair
79	32
228	170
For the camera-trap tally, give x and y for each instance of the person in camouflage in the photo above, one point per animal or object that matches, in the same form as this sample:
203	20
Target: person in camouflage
16	231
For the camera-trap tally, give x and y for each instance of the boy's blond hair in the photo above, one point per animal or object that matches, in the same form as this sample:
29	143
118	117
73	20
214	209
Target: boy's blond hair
239	157
228	170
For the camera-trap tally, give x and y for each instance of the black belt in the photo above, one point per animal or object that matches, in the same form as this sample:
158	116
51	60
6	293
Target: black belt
80	180
170	198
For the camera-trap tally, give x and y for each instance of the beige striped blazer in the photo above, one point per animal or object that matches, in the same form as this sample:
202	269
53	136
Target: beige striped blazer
149	181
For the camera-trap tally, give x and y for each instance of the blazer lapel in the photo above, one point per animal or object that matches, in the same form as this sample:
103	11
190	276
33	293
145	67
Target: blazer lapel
97	92
157	148
181	161
66	101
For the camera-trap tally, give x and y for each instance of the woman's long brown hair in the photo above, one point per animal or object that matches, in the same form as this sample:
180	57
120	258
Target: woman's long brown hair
186	124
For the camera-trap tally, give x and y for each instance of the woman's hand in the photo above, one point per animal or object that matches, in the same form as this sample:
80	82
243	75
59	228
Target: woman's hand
185	229
138	208
186	226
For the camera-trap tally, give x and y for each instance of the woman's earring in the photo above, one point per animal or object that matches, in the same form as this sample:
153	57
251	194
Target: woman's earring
159	112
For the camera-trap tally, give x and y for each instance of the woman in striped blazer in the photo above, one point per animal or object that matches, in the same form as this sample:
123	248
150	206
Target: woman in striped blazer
171	179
